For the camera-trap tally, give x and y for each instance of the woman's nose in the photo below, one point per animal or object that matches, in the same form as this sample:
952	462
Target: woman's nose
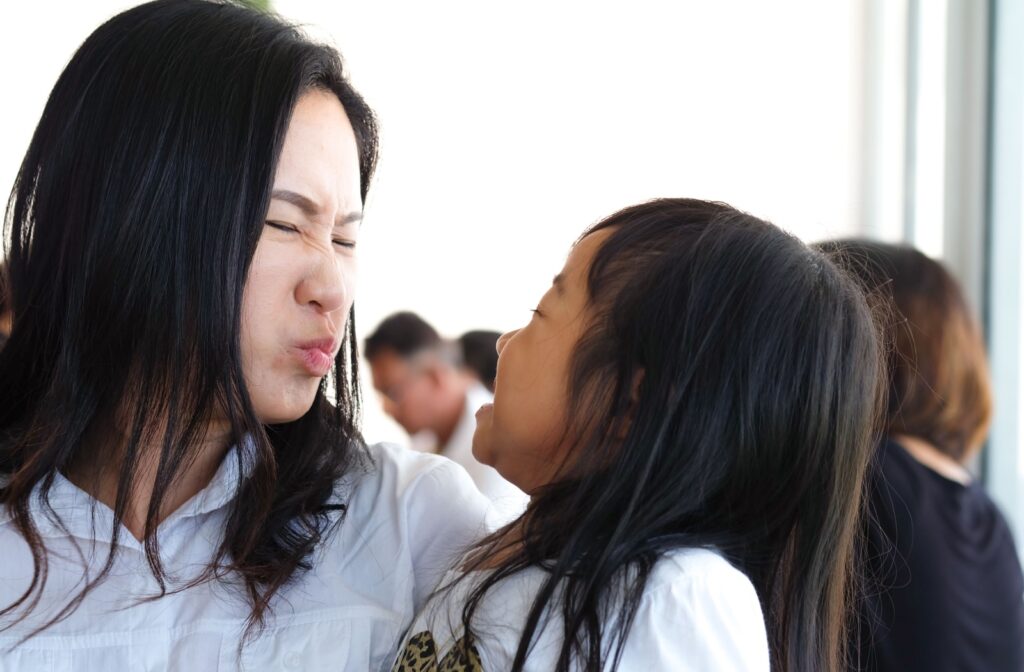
324	286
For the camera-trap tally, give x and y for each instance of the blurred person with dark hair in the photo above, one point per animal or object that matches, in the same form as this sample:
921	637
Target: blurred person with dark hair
943	579
480	355
418	375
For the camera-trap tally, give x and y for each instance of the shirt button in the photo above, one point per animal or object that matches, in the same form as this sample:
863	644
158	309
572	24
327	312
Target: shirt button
293	660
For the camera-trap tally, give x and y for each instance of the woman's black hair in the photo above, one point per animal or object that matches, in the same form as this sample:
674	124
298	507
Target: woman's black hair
749	432
132	225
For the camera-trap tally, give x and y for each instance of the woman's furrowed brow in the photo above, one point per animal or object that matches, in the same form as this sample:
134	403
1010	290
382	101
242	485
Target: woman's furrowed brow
311	208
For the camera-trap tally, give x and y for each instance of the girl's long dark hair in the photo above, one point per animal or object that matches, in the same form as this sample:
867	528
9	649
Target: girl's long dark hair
749	433
131	228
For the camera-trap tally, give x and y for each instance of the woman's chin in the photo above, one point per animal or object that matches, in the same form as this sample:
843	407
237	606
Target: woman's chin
282	410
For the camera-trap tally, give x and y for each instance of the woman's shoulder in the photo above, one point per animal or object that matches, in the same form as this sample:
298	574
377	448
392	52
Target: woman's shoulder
411	504
405	459
400	473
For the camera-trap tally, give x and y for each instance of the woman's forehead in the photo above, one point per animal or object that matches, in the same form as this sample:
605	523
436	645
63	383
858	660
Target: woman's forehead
320	157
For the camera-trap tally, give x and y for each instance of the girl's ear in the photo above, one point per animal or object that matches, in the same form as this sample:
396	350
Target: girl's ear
634	393
626	421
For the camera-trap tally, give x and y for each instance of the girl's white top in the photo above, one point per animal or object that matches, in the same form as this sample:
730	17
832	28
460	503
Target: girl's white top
408	516
698	613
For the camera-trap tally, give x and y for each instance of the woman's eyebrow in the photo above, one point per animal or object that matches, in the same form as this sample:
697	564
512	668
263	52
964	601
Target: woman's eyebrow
310	207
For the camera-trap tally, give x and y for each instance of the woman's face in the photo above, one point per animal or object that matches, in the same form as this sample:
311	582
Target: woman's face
302	279
522	434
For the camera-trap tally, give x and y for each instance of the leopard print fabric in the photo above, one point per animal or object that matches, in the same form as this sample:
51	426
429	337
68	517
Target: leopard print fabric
420	655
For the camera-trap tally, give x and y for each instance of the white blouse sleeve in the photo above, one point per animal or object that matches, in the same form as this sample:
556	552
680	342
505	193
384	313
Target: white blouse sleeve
707	621
446	514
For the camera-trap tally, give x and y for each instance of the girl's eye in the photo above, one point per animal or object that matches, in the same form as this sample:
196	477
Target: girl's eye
347	244
536	311
282	227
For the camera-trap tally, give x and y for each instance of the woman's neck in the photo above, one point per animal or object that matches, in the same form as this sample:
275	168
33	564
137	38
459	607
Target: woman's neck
100	478
931	457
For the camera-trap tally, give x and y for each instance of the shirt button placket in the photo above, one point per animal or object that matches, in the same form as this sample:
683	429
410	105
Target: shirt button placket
142	650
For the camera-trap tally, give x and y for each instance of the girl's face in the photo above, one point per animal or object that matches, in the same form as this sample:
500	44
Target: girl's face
522	434
302	279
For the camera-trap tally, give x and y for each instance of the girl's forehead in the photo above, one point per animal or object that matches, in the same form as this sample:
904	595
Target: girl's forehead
577	264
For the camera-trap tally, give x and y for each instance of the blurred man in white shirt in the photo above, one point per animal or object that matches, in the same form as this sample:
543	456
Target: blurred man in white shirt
425	390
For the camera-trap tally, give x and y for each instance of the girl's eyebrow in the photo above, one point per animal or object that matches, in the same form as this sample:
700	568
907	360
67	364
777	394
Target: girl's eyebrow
558	283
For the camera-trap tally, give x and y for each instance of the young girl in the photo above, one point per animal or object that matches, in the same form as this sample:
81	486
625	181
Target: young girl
691	408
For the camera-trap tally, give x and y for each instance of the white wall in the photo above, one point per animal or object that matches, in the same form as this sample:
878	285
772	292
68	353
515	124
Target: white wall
36	41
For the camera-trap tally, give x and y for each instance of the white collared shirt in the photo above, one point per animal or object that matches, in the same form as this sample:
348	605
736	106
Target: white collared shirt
407	517
698	613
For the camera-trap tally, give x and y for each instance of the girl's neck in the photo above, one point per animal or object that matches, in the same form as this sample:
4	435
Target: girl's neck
496	554
931	457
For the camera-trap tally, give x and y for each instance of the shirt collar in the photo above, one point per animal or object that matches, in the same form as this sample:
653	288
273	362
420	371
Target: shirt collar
80	515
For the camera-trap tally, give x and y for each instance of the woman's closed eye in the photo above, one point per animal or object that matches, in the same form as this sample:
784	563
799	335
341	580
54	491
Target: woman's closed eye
280	226
344	243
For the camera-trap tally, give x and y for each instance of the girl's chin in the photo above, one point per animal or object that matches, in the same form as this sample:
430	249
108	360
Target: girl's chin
482	437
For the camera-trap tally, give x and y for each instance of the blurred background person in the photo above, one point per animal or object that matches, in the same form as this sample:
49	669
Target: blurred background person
480	355
424	389
943	579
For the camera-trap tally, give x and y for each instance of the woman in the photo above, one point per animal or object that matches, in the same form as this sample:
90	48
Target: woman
691	409
182	487
945	587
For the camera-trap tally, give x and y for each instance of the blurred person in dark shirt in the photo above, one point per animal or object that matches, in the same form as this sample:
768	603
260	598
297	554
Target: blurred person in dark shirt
942	580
